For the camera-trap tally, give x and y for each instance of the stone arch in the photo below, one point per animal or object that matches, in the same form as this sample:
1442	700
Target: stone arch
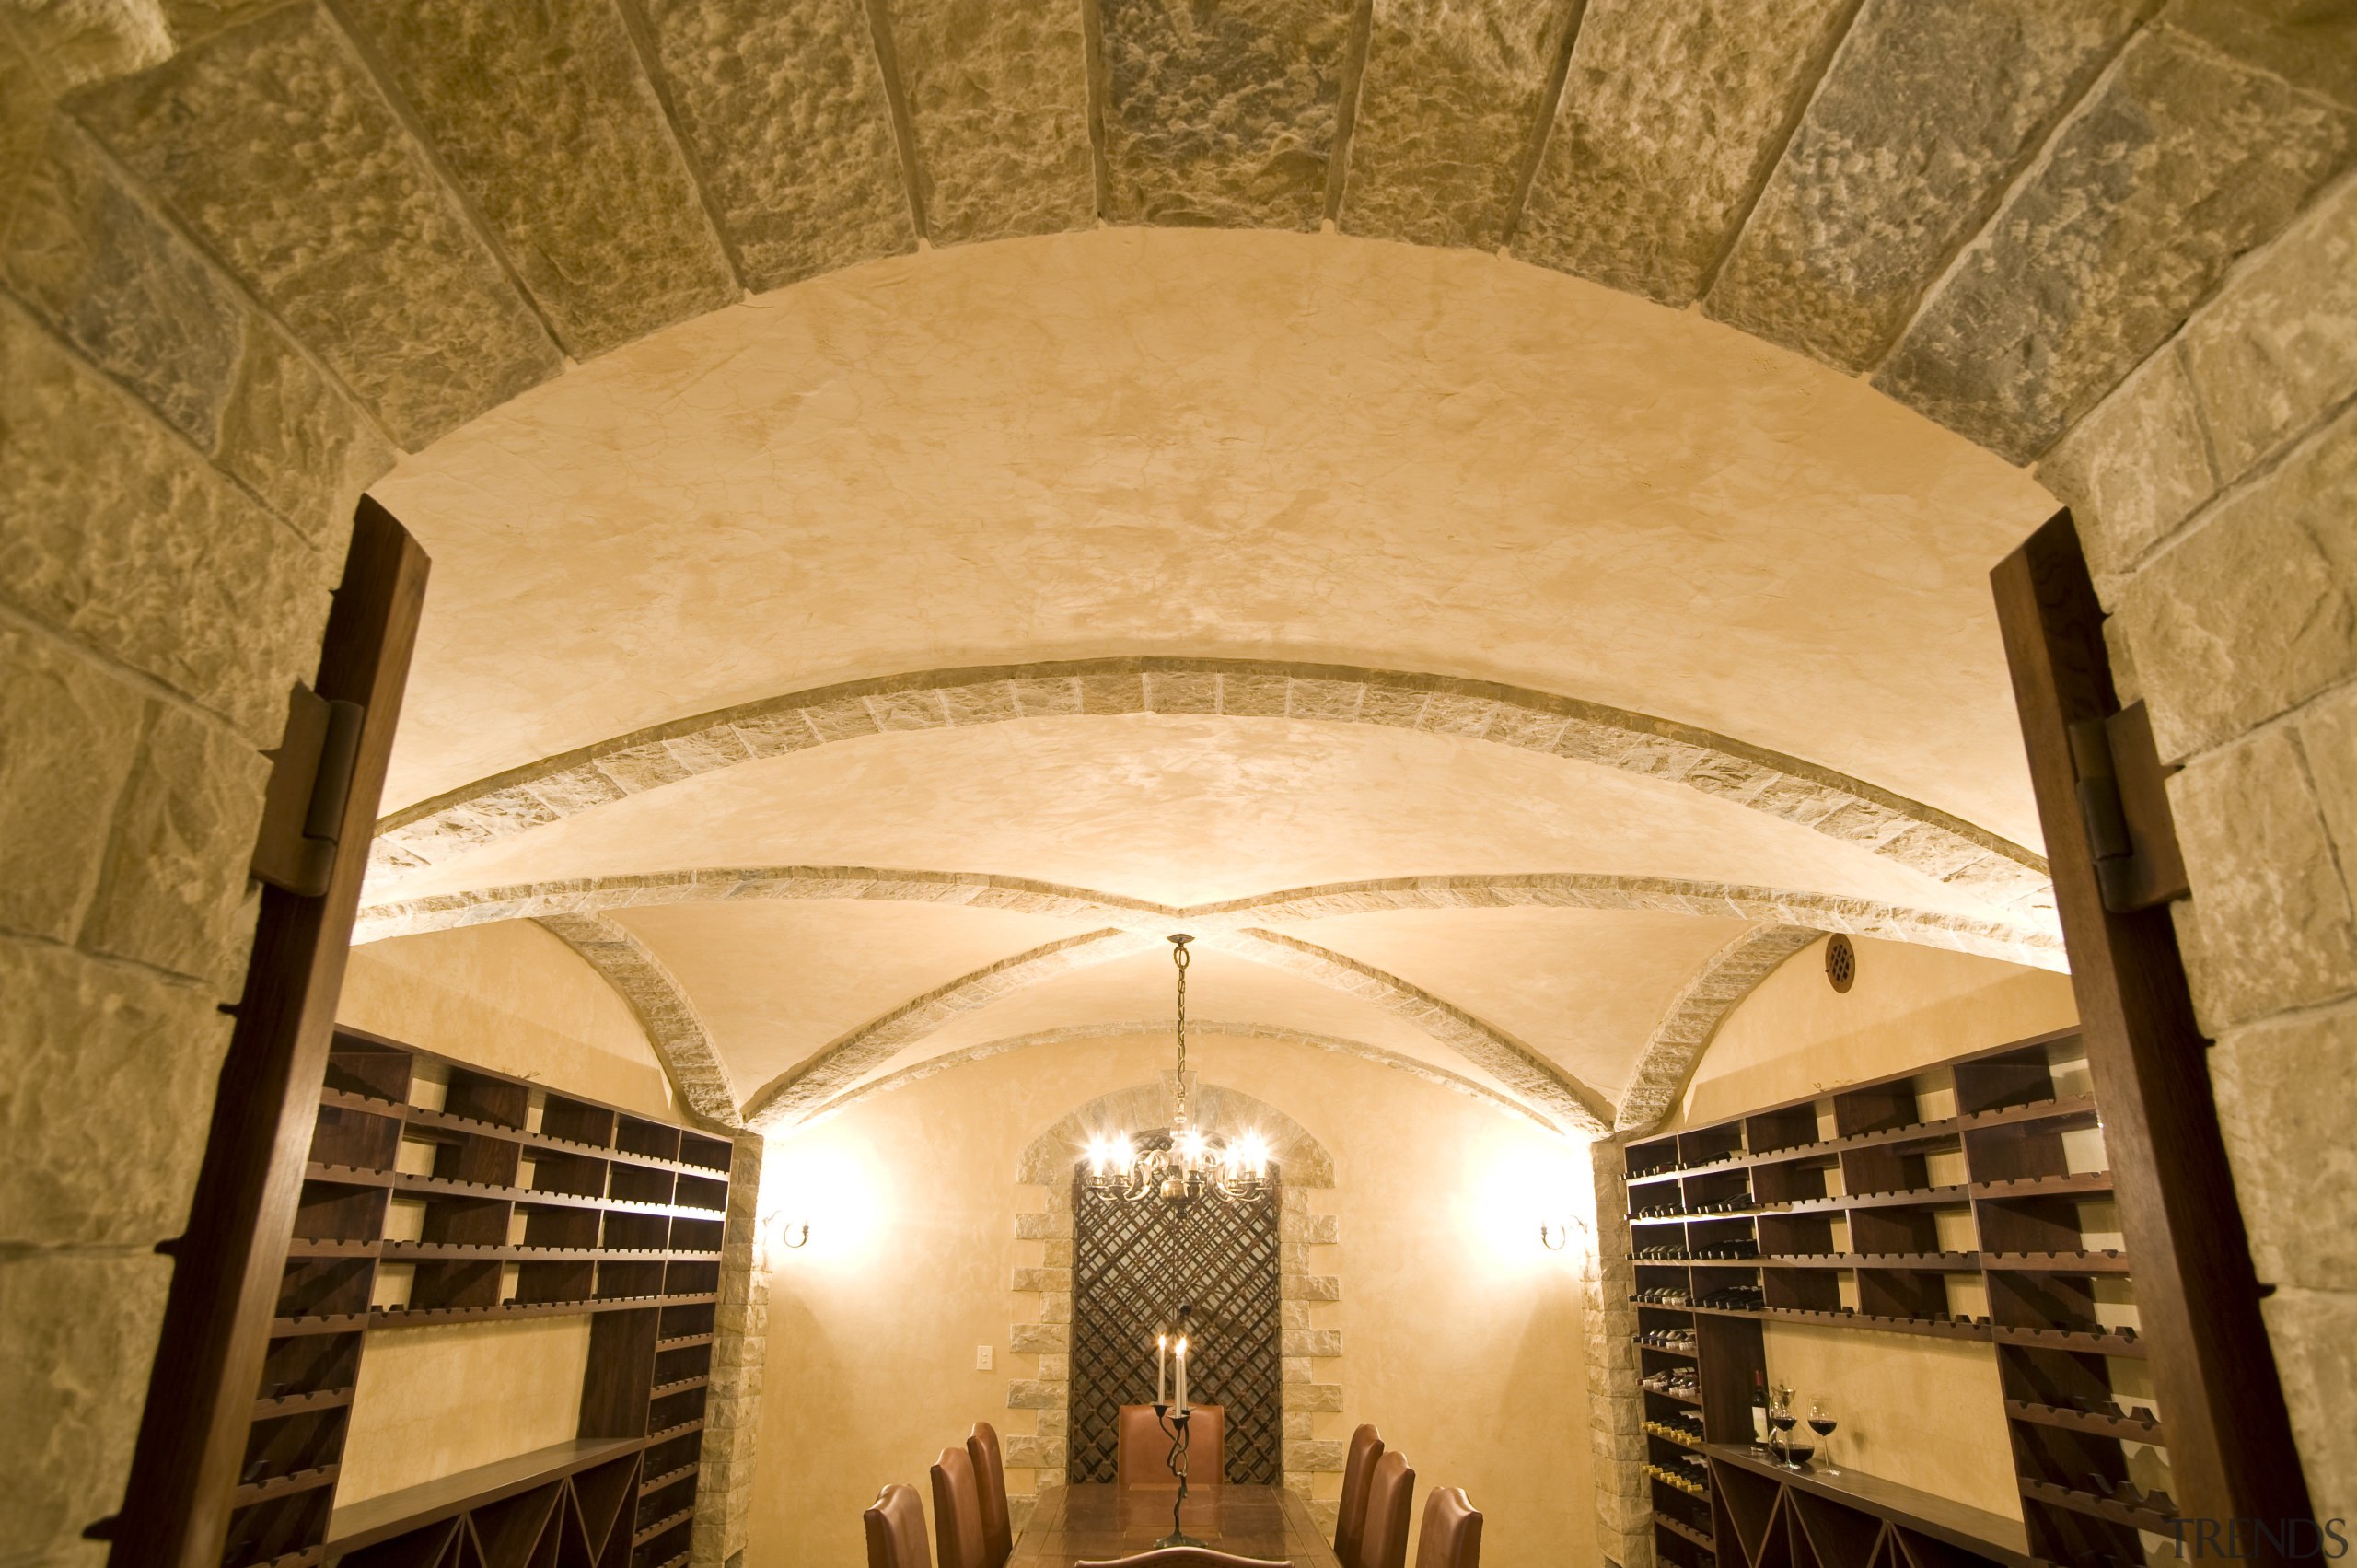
1926	839
1043	1291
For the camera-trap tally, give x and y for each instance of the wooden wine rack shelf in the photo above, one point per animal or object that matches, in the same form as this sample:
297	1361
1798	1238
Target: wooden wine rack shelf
1861	1212
509	1200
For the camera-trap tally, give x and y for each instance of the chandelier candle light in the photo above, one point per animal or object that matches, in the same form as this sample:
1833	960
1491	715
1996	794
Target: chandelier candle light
1192	1164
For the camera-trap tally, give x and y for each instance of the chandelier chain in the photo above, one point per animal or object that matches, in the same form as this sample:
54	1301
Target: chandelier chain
1179	957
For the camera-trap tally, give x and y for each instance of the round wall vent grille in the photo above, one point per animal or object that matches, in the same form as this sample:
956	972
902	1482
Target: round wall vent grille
1840	963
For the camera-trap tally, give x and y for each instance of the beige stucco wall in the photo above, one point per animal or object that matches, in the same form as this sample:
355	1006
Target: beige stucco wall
1924	1413
1460	1332
512	998
1796	1036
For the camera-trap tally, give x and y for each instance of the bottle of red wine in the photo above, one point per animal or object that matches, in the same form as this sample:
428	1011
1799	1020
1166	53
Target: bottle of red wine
1759	1408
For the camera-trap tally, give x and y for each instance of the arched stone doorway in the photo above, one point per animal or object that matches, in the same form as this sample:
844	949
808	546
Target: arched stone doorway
1043	1300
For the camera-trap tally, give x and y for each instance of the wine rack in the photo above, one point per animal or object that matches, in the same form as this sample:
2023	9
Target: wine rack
1969	1200
506	1199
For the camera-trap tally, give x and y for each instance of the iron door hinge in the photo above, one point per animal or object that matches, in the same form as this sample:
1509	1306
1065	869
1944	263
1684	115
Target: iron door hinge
2124	804
310	781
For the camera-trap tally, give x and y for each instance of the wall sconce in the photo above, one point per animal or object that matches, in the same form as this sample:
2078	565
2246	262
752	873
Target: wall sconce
794	1233
1556	1235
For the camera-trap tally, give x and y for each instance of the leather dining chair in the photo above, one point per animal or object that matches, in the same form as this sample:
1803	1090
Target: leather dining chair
1350	1513
957	1511
1186	1557
895	1523
1389	1492
1142	1448
1452	1534
990	1481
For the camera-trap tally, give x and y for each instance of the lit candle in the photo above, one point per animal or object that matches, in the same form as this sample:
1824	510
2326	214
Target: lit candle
1182	1374
1161	1369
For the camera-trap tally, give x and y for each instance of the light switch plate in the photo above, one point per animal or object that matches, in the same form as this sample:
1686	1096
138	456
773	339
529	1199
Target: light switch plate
982	1358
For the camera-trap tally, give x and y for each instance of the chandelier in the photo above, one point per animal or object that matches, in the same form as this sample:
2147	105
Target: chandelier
1192	1163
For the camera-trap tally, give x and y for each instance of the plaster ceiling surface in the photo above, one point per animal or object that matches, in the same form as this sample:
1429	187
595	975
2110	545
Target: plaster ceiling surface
1184	810
1221	987
1218	443
1583	988
774	983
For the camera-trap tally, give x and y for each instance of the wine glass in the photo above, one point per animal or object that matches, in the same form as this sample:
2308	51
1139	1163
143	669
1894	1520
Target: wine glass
1780	1421
1822	1421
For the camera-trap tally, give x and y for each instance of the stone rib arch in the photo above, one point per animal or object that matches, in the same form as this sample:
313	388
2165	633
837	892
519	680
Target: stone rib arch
1568	889
1208	1028
674	1028
1929	841
1694	1015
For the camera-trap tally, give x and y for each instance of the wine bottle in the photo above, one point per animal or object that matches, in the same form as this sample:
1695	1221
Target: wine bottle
1759	1408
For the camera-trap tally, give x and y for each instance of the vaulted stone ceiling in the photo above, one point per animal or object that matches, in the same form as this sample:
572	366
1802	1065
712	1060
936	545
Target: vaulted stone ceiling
1379	529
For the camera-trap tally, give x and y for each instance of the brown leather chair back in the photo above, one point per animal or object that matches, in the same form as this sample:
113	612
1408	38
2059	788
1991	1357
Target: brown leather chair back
989	1480
895	1528
1185	1557
957	1511
1452	1534
1350	1515
1390	1491
1142	1448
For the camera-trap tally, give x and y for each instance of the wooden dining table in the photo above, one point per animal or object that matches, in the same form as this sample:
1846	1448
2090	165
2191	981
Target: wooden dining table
1093	1522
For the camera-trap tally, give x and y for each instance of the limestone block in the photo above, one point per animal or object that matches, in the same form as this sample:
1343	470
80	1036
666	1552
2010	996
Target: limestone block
1113	692
94	41
274	146
1019	1511
1181	691
2312	47
1297	1425
643	767
1052	1422
1043	696
2094	261
2255	609
1448	103
107	275
1314	1456
2315	1337
1316	1398
1045	1281
175	874
1670	117
2134	467
1036	1453
908	710
1030	1394
2285	1092
81	1034
842	718
775	734
1056	1253
1293	1314
1032	1225
72	733
80	1332
1221	116
1311	1288
1312	699
998	105
1254	696
2278	346
2329	741
2276	926
294	435
1055	1367
1310	1342
784	109
1848	234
